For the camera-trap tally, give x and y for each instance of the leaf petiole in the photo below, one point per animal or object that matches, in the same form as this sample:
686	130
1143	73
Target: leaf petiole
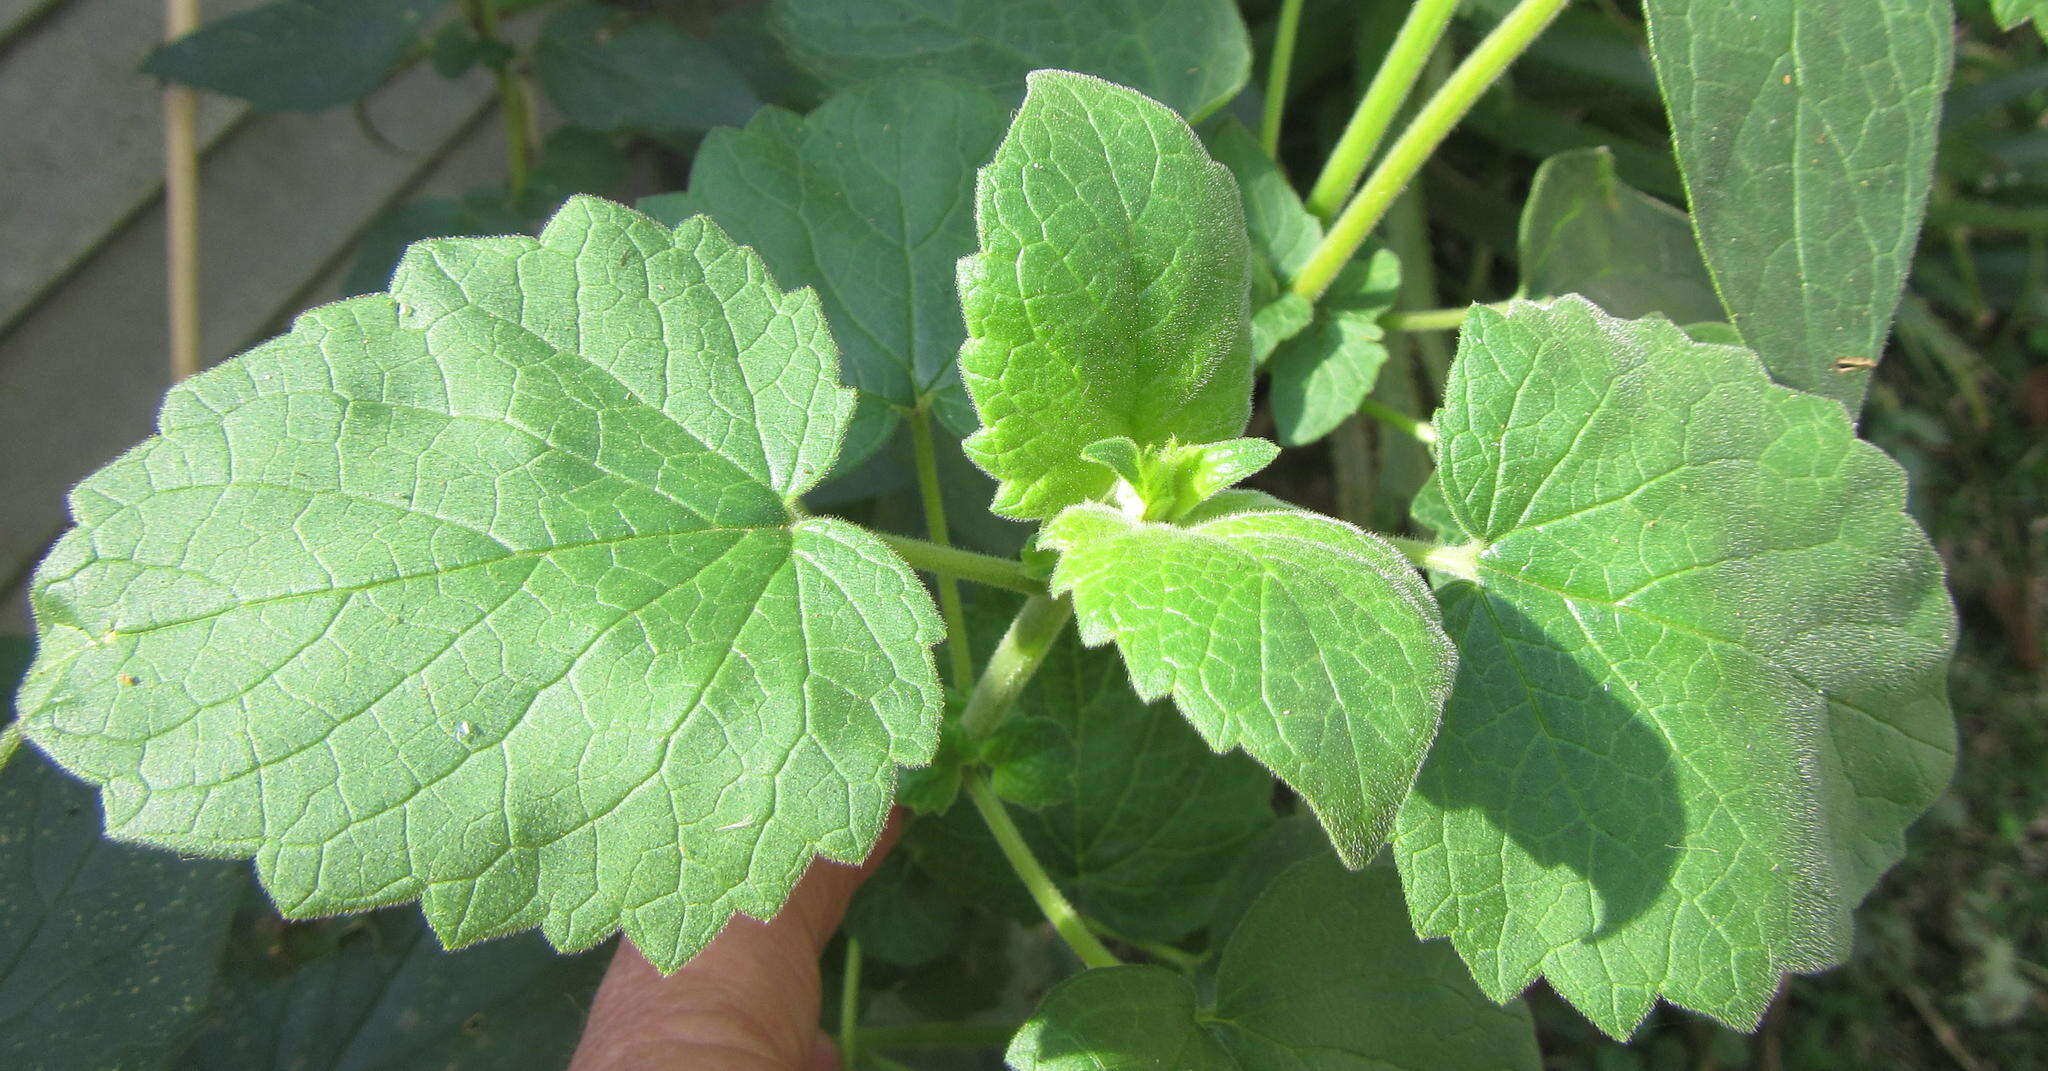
1419	142
1426	319
1016	658
849	1005
1058	911
986	569
959	658
1390	87
1416	428
1284	33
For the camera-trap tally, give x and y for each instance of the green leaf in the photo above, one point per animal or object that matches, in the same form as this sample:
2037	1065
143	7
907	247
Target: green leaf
378	250
1703	680
1191	54
1320	375
902	916
1321	971
296	55
1165	483
108	950
488	592
1806	133
2011	14
1109	296
1584	231
390	998
1310	644
866	201
609	72
1282	230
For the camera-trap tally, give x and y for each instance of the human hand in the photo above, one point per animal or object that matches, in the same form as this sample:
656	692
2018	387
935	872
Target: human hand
748	1002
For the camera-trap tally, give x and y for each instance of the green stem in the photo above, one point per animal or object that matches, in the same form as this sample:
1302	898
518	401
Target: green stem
513	103
984	569
1460	559
1164	953
959	657
1425	319
1416	428
883	1063
1050	900
1284	33
1986	215
849	1006
1390	87
938	1036
10	739
1016	658
1413	148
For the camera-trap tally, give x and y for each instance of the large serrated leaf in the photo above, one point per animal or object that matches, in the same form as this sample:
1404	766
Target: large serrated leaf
1313	646
1321	971
487	592
296	55
1586	232
1192	54
1806	134
1702	687
867	200
1109	297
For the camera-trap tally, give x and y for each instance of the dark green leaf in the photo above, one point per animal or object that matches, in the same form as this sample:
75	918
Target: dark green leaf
1806	132
296	55
1586	232
610	71
1193	55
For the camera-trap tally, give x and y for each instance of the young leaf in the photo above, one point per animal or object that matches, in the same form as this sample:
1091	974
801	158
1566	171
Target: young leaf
1191	54
488	592
1584	231
639	74
864	200
1109	296
1321	971
1310	644
391	998
1702	688
296	55
1320	375
107	951
1806	134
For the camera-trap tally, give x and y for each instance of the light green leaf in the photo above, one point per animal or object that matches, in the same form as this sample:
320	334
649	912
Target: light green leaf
1192	54
1702	688
296	55
1321	374
488	592
1282	230
1310	644
608	71
1109	297
1806	133
1321	971
866	200
1584	231
2011	14
390	999
107	951
1165	483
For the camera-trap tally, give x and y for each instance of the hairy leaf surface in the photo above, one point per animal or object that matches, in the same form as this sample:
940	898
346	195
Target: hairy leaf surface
1191	54
296	55
1310	644
868	200
1702	687
1586	232
609	72
1109	296
487	592
1321	971
1806	134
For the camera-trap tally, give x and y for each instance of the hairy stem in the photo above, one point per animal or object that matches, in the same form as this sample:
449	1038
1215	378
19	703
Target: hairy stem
1164	953
938	1036
1284	33
1016	658
849	1006
1051	901
959	659
1416	428
1414	147
1458	559
1427	319
10	739
1390	87
986	569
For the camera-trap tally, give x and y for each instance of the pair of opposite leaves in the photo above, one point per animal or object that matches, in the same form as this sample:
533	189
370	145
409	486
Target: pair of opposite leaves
492	592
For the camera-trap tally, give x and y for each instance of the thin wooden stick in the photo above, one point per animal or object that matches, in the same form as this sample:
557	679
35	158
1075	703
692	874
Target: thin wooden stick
181	200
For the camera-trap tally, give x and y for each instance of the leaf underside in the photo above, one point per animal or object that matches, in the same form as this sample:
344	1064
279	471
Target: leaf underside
1806	134
1109	294
486	592
1702	687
